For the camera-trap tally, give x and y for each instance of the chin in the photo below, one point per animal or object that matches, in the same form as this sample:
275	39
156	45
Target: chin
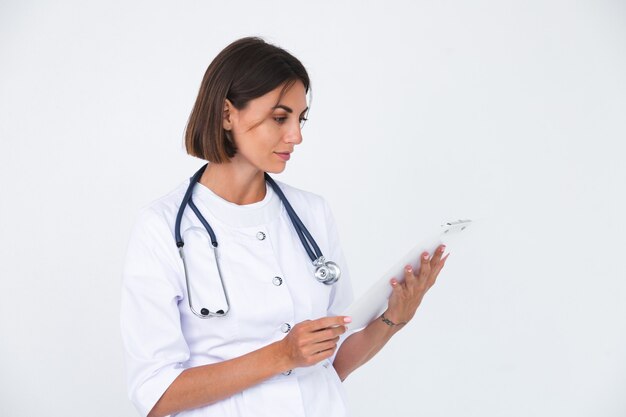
276	170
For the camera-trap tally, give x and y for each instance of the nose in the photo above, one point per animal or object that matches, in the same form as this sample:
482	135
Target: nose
294	135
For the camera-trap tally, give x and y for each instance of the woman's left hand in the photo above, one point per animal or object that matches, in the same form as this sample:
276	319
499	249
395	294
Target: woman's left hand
407	295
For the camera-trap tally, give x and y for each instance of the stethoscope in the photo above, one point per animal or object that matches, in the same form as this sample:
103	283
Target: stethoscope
326	272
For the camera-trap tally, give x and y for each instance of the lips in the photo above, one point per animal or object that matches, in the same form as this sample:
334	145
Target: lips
283	155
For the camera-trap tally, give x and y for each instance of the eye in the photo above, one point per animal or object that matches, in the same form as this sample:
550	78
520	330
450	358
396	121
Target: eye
281	119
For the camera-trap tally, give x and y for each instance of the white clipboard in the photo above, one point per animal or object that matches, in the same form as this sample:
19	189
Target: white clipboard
374	302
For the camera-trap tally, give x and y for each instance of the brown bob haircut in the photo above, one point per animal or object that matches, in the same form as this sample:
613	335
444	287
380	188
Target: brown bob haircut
246	69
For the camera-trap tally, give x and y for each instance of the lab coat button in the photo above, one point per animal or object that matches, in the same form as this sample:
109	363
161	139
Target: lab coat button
277	281
287	372
260	235
285	327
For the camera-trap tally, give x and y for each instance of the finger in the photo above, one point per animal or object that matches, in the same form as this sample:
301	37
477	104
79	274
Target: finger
437	255
440	264
320	347
326	322
329	340
436	270
323	354
410	279
424	267
396	285
315	348
328	334
409	276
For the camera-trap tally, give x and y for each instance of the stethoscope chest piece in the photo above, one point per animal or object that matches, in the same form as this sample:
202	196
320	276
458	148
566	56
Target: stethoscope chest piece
326	272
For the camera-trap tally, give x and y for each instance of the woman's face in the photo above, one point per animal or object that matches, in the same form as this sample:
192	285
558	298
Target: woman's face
263	131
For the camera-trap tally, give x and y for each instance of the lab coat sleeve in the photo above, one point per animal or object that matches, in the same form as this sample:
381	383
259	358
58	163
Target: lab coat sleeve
342	294
154	345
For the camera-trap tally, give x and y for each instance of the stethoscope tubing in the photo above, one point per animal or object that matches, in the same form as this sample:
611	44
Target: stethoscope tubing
304	235
187	200
326	272
297	223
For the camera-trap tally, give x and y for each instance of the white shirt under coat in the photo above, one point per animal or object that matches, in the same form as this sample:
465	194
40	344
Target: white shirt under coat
271	286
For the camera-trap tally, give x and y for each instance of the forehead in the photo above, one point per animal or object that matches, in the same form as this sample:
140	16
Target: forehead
294	97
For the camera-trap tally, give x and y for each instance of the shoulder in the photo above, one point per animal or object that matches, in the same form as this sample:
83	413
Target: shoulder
160	214
312	208
302	198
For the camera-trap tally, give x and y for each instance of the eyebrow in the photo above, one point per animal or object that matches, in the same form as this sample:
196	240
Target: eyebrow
289	109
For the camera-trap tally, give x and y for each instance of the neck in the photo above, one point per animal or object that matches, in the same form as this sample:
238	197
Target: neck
234	182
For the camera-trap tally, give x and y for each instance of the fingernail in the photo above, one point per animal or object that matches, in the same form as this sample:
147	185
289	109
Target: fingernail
347	319
408	268
425	255
443	248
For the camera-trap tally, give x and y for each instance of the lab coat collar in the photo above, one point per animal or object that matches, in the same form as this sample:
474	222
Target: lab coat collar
235	215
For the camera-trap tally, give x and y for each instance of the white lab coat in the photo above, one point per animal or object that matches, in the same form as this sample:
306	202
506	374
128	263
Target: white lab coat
257	245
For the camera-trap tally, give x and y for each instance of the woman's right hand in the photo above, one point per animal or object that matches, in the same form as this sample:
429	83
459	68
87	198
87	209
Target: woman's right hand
312	341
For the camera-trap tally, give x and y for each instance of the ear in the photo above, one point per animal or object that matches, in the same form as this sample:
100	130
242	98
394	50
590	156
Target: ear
228	112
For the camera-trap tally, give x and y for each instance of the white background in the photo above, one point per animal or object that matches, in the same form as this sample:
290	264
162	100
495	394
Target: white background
512	113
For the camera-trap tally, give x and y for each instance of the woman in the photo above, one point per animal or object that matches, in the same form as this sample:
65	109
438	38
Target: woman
255	333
